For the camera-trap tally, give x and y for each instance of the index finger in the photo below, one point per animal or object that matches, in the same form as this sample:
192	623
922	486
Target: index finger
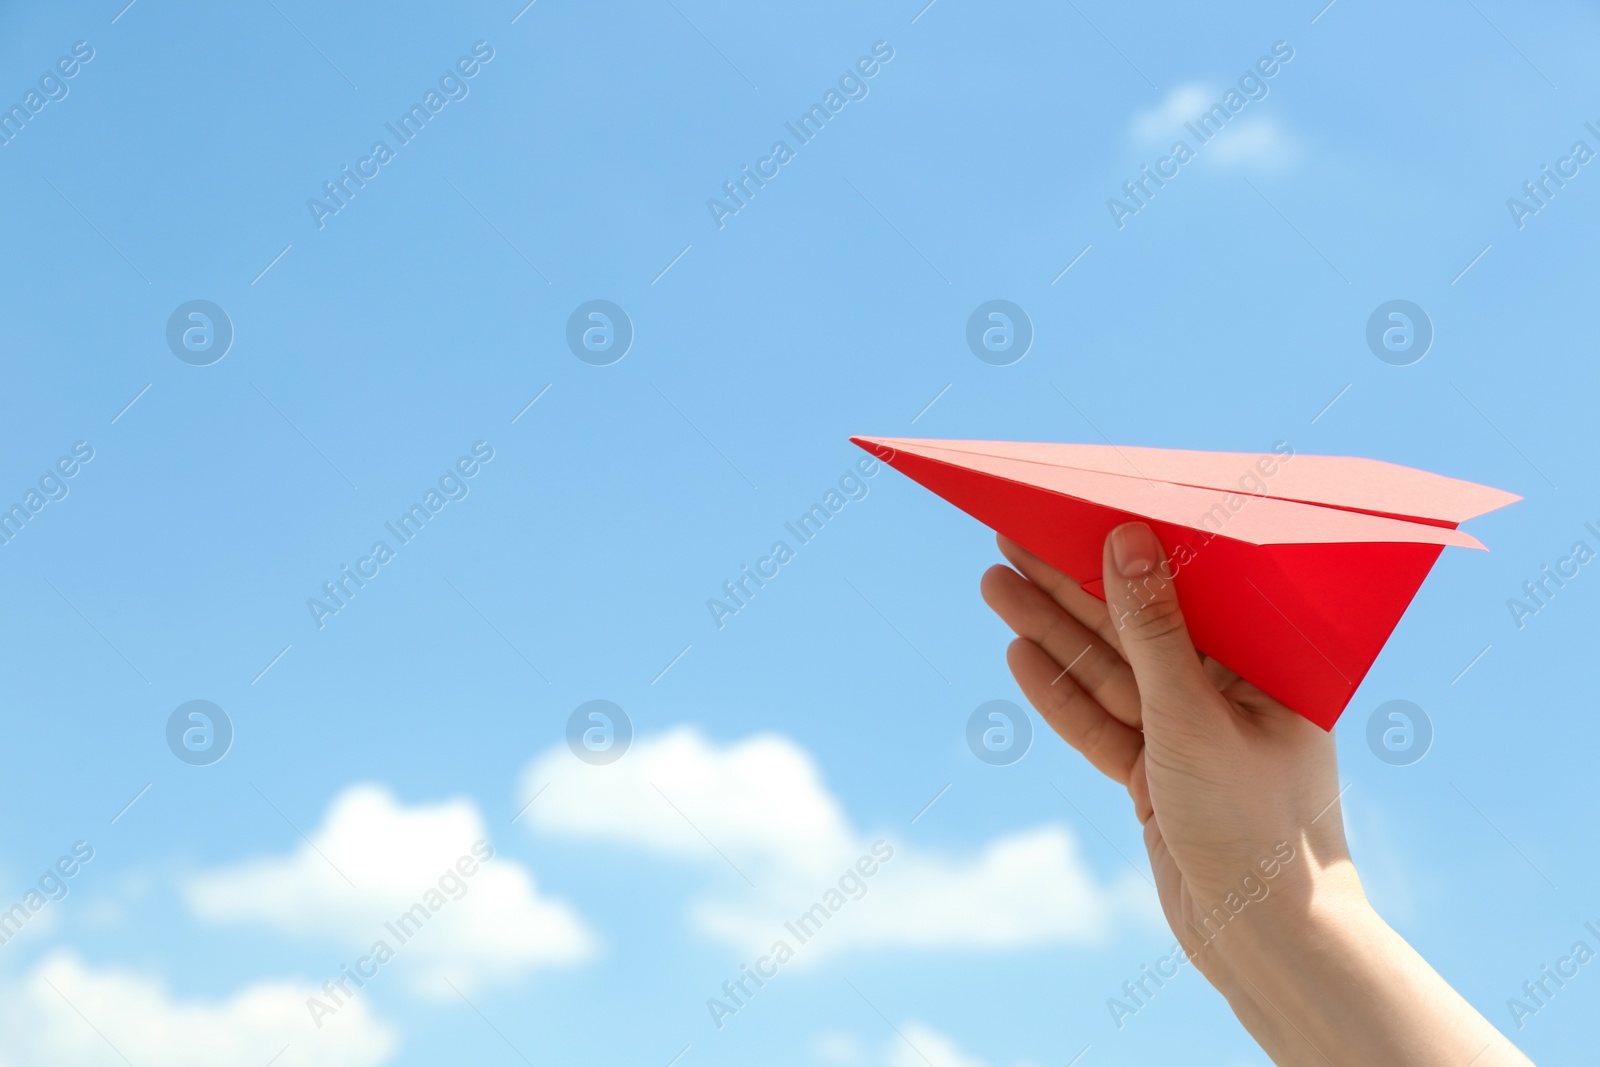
1087	608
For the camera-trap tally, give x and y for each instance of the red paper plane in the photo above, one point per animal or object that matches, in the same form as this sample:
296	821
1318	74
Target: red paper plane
1293	570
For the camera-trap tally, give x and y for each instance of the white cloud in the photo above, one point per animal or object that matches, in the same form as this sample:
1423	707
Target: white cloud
1260	142
758	809
148	1026
488	926
924	1045
1248	139
1166	119
835	1046
916	1045
761	801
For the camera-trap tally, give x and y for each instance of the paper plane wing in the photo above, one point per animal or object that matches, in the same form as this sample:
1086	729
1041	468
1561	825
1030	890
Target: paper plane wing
1293	570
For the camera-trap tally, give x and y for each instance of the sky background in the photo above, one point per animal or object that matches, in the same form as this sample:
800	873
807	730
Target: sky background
372	352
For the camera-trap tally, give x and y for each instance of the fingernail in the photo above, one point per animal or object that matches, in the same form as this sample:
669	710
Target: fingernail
1134	549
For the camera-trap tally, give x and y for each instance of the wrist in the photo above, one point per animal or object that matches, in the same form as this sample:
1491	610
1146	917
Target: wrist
1278	964
1314	910
1248	926
1308	909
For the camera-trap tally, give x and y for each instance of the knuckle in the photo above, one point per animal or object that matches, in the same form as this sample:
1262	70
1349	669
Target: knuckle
1059	697
1107	629
1155	619
1096	667
1052	622
1094	734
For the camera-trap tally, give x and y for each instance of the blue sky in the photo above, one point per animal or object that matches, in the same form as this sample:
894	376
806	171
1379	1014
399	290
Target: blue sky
375	350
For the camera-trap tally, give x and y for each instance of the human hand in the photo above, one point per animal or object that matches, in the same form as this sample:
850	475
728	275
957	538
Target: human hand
1228	783
1239	799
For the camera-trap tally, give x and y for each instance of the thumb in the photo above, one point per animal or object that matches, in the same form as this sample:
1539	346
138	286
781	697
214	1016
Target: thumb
1143	602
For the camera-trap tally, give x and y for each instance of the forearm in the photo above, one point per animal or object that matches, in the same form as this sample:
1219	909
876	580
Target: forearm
1326	981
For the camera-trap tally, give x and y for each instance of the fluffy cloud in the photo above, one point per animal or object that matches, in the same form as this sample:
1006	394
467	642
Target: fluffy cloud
758	811
917	1045
40	1022
760	801
1166	119
373	860
924	1045
1261	142
1249	140
834	1046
